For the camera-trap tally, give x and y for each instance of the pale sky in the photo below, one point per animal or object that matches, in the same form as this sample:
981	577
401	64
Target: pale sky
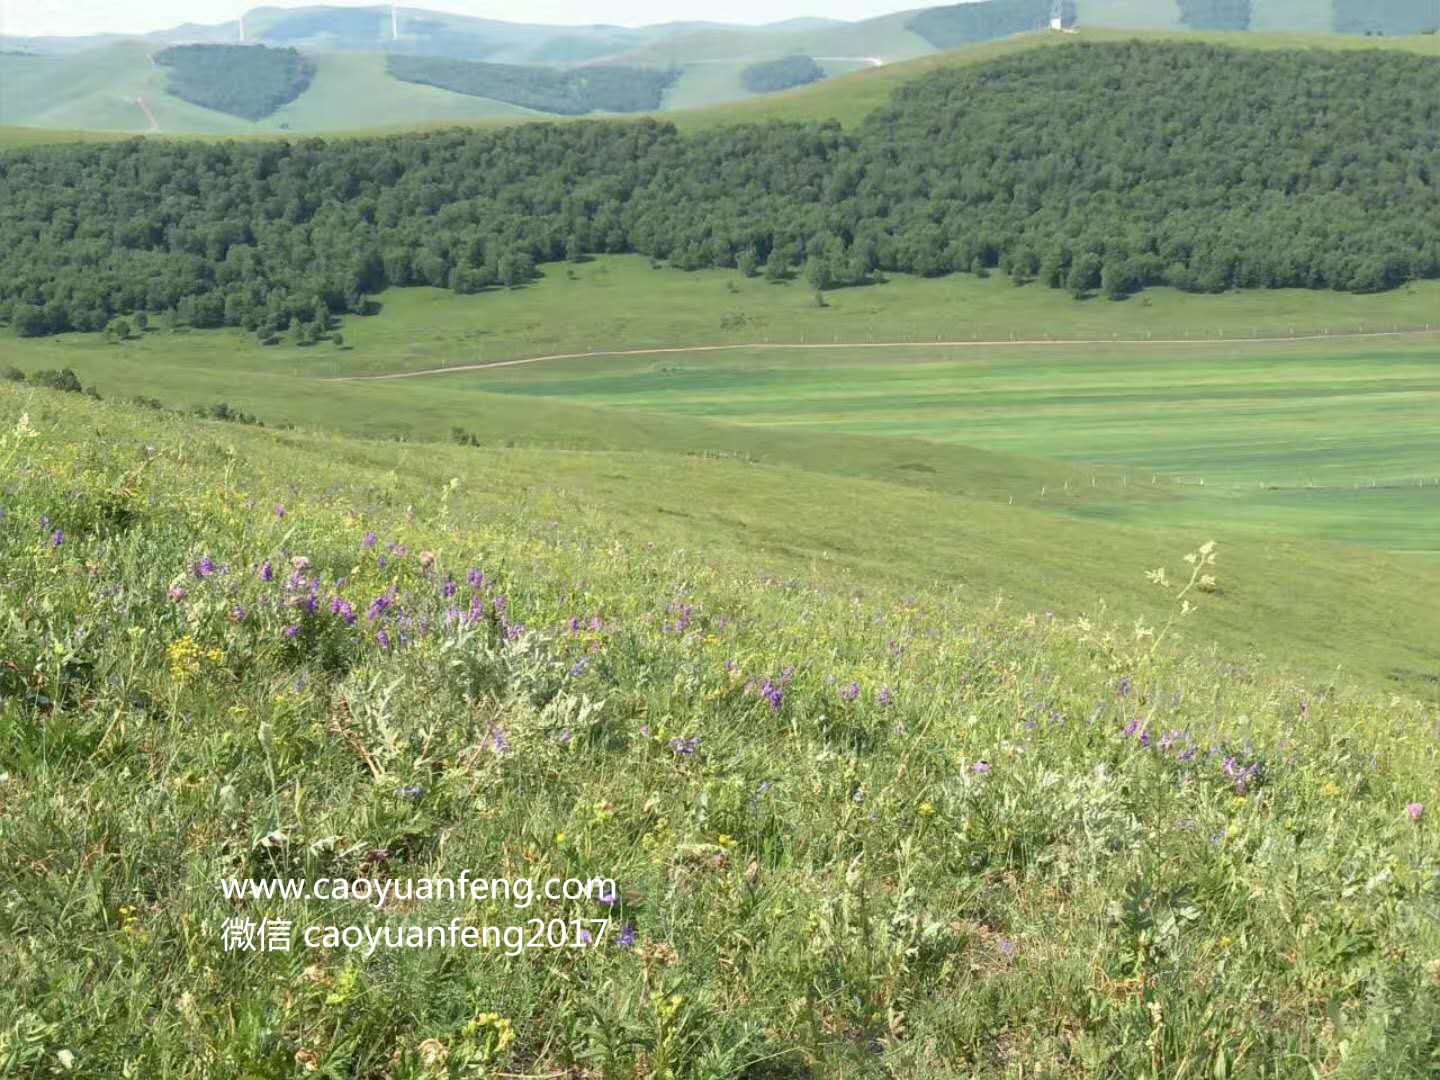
33	18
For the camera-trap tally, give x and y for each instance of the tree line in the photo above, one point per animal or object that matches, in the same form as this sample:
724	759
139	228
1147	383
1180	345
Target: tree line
565	91
1085	167
769	76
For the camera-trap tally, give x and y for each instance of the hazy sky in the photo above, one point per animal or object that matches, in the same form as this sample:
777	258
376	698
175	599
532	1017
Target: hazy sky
38	17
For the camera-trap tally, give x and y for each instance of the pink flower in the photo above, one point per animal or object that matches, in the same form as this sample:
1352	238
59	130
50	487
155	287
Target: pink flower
1415	809
177	593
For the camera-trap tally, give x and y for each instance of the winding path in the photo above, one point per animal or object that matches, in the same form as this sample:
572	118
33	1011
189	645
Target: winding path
154	124
775	346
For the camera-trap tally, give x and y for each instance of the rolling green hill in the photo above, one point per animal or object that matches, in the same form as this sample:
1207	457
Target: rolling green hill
93	84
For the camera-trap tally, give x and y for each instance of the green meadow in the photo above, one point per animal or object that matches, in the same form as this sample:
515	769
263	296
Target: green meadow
1327	435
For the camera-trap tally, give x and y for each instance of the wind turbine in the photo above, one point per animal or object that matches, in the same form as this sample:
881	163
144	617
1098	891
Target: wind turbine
1057	15
241	21
394	23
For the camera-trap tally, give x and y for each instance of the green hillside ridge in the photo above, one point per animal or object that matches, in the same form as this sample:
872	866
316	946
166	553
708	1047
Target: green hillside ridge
940	832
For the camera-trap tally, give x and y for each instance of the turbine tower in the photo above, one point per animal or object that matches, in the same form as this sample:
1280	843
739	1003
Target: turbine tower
1057	15
394	24
241	21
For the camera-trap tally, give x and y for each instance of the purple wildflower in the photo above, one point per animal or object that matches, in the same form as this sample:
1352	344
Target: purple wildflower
57	538
370	539
279	510
177	593
498	742
448	589
383	640
411	791
1122	688
1007	946
585	937
292	631
514	631
204	568
607	898
581	666
378	606
687	745
627	937
267	572
980	767
1145	739
851	692
885	696
475	577
342	607
773	694
237	614
1132	727
1415	810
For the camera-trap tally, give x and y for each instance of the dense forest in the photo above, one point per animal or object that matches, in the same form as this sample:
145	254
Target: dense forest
768	76
1087	167
242	80
566	91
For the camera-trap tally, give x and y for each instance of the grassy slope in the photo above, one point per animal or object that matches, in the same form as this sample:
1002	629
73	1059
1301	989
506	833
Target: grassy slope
1311	420
848	98
828	887
851	98
884	37
344	79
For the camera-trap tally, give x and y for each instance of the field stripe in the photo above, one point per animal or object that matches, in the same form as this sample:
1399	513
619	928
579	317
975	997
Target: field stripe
669	350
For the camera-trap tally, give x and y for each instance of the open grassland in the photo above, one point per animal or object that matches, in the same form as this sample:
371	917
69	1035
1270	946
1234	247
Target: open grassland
857	825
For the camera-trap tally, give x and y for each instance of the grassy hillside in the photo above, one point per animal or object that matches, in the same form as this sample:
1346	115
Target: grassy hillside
1288	438
95	91
855	825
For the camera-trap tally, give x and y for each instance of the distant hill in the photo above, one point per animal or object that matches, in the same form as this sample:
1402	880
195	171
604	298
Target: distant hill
111	83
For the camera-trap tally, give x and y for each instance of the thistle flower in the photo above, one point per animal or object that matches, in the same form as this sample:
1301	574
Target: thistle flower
370	539
177	593
1415	810
204	568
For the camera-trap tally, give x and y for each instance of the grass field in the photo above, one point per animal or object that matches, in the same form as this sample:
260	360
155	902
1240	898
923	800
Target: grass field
1282	445
853	822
